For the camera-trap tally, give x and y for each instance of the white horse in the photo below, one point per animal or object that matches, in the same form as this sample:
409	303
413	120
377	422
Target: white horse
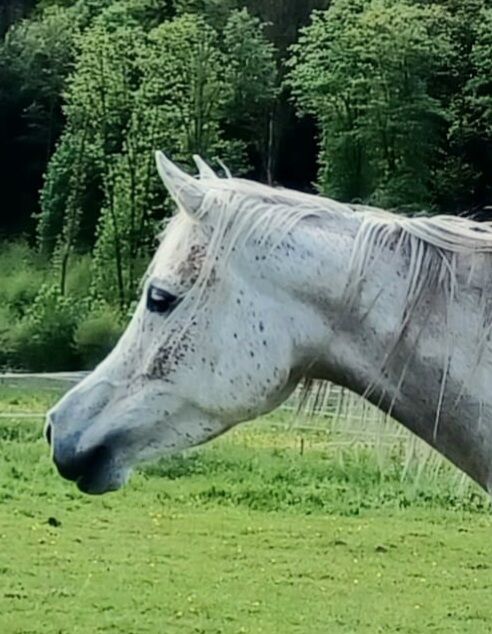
253	289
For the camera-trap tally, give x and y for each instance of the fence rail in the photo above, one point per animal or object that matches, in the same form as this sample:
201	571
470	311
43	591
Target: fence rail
64	377
336	409
347	420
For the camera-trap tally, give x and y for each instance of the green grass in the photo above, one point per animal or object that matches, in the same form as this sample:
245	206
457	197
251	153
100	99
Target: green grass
247	535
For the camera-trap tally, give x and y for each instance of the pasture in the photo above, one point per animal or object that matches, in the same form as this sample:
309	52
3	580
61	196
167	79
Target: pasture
267	530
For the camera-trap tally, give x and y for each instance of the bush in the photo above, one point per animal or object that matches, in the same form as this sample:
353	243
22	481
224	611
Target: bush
97	335
23	273
43	330
79	276
6	321
44	339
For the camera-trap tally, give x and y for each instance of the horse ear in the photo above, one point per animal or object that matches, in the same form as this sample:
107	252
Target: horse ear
204	170
184	189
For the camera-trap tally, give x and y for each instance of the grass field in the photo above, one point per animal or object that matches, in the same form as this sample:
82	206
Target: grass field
247	535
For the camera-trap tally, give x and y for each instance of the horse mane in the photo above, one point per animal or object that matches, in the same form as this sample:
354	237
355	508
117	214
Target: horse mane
240	210
455	234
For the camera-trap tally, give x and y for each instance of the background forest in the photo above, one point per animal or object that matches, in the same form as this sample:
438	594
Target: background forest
383	101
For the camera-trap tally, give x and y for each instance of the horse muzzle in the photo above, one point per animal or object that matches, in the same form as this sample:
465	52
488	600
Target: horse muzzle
94	469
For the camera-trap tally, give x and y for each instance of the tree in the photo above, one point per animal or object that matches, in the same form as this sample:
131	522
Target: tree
215	12
177	105
35	60
251	71
365	69
99	108
132	92
13	10
42	54
144	14
464	177
280	22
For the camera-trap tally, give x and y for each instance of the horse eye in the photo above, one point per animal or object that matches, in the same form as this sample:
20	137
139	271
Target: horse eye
160	301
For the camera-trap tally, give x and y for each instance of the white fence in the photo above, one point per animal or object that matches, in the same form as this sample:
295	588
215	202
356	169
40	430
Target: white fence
345	418
335	409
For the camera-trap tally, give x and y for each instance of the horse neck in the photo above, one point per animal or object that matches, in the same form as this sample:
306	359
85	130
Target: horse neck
413	364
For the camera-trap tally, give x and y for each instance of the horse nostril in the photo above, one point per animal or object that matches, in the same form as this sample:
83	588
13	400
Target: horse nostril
47	433
86	463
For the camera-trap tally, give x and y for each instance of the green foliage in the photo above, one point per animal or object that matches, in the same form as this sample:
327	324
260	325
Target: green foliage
184	84
251	67
131	93
43	340
400	91
471	109
216	12
37	324
12	11
100	102
7	320
365	69
70	194
85	12
23	272
99	96
174	103
39	328
478	87
79	276
131	14
97	334
42	53
251	71
35	60
125	232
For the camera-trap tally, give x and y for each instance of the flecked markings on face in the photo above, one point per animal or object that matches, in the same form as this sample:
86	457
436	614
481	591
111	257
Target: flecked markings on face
171	353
